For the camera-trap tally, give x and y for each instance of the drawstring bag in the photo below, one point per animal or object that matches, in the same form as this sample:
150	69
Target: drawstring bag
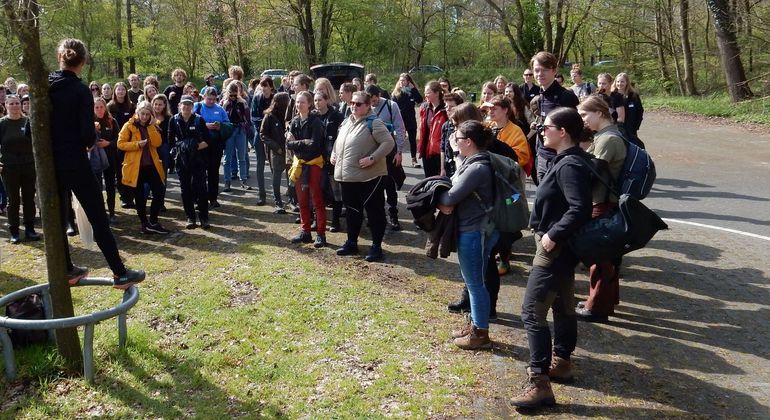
84	226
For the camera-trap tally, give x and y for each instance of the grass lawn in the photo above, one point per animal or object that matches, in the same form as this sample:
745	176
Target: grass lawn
751	111
236	322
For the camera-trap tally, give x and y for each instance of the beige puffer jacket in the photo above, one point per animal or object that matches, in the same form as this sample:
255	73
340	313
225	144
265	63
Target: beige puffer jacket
355	141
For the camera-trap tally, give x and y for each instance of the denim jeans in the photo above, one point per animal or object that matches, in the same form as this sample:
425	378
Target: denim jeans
473	249
236	145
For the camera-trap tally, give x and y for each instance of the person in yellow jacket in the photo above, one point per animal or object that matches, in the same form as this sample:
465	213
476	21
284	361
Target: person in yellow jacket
139	139
503	122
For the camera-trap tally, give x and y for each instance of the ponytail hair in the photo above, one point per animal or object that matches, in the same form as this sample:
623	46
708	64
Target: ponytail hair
72	52
481	136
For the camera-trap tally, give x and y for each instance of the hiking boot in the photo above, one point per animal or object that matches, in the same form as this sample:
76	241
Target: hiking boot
279	210
503	267
129	279
302	237
477	339
261	202
31	235
214	204
537	393
394	223
246	187
348	248
227	187
463	304
205	225
14	236
375	253
144	231
320	241
77	273
190	224
157	228
584	314
560	370
462	332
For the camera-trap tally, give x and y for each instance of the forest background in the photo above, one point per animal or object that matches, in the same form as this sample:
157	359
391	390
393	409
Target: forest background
669	48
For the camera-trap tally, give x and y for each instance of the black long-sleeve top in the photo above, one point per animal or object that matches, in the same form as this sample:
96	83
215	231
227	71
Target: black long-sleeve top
273	134
407	101
308	137
72	120
563	199
331	122
179	129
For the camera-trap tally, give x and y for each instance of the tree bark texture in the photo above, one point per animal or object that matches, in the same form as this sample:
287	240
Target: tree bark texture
684	23
23	17
729	51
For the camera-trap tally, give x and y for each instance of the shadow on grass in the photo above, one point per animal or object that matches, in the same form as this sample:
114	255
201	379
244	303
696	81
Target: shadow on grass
187	394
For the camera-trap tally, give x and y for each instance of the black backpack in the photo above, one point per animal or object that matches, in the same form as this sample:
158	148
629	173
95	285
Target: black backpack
28	307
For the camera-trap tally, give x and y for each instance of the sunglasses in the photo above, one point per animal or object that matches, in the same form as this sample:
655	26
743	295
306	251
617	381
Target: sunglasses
95	89
528	74
544	126
358	103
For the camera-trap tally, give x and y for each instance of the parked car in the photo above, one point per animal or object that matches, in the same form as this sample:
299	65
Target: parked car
604	63
426	68
338	73
221	76
276	74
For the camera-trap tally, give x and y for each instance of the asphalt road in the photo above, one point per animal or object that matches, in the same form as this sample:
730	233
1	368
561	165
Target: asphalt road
709	173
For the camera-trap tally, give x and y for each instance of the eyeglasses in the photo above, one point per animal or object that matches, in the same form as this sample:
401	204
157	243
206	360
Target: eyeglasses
544	126
461	138
528	74
95	89
233	96
358	103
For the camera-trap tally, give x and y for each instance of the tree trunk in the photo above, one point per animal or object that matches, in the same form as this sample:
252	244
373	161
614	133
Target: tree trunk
659	40
547	30
130	38
684	23
505	22
23	18
241	58
327	12
672	45
119	71
729	51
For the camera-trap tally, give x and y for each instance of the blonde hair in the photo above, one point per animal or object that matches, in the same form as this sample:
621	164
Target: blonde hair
143	106
326	87
630	89
179	71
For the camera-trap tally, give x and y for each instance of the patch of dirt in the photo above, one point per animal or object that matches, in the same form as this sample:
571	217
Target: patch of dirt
174	331
242	293
15	392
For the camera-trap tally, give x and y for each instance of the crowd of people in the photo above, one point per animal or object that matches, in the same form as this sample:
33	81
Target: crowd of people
341	147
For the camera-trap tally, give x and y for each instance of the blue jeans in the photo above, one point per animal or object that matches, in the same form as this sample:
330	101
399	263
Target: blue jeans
473	249
235	149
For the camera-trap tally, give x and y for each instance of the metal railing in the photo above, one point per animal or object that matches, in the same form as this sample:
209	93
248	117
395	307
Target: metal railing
130	297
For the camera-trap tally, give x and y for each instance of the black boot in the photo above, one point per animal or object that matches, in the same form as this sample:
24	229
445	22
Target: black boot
394	224
336	212
15	235
463	304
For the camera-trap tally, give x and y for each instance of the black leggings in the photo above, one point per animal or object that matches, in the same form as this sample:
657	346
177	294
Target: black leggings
83	184
110	185
149	175
411	130
368	195
214	159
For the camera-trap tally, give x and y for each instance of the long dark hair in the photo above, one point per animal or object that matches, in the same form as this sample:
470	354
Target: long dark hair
279	105
519	105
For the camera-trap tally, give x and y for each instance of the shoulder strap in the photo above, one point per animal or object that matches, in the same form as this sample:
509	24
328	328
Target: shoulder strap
593	170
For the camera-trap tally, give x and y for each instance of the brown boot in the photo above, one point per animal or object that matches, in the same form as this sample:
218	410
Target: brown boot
462	332
561	370
477	339
537	393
